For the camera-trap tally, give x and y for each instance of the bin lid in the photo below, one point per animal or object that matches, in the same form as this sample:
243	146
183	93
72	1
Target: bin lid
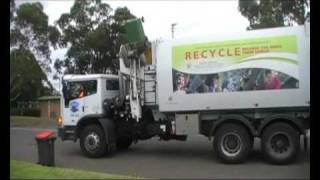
44	134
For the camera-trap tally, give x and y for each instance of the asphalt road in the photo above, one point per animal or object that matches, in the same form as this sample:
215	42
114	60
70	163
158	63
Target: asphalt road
193	158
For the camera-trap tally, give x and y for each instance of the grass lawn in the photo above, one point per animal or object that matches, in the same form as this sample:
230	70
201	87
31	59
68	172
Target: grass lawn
30	121
25	170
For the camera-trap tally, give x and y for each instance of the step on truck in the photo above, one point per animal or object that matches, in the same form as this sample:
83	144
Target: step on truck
230	88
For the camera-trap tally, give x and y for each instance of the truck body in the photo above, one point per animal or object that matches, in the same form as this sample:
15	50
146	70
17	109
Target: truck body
233	87
233	59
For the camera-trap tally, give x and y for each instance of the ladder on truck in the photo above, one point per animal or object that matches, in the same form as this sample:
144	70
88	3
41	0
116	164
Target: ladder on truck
150	76
150	86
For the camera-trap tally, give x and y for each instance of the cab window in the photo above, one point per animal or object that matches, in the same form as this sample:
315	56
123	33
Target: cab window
112	85
80	89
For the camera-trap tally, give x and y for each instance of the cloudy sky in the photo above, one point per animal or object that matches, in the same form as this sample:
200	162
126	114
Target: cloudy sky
192	17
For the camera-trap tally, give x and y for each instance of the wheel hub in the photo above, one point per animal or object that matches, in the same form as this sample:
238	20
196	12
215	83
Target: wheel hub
92	141
231	144
280	143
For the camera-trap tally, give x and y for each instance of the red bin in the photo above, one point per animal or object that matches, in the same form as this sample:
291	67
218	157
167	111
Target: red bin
45	141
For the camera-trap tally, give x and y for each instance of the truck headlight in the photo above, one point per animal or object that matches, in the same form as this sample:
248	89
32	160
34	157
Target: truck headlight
127	97
59	121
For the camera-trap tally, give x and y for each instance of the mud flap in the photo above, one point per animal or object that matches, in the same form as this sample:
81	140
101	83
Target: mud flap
109	130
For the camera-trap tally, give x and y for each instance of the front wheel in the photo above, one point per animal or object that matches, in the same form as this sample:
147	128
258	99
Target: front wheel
232	143
92	141
280	143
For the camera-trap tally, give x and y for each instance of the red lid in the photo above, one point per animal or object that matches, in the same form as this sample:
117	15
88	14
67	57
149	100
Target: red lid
44	134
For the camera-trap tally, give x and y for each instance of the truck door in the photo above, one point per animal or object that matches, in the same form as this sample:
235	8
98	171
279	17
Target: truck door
73	94
92	98
80	99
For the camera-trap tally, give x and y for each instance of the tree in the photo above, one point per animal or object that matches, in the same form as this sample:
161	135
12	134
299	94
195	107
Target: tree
26	76
29	29
12	8
30	39
91	33
274	13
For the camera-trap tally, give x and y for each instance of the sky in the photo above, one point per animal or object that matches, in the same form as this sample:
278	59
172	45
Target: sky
191	17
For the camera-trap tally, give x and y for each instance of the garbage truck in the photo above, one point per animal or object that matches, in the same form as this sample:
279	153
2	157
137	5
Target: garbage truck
230	88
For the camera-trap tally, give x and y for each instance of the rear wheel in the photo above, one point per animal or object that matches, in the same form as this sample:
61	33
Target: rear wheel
92	141
280	143
123	142
232	143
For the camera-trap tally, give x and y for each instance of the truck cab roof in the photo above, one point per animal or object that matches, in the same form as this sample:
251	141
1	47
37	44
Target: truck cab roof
75	77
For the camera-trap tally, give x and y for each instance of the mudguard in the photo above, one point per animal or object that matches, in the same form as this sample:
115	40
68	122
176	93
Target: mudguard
284	118
233	118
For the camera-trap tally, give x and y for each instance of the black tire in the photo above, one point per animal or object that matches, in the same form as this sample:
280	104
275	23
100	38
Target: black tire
92	141
123	143
280	143
226	137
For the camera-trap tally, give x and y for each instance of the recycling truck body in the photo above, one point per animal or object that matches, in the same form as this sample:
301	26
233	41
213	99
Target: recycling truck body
234	87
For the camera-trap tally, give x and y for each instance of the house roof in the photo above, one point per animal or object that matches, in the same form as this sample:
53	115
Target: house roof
45	98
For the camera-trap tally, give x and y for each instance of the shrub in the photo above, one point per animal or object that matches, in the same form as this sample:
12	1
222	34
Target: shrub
25	112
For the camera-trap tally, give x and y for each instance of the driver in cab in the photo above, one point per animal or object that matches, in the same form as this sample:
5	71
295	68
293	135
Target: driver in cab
82	92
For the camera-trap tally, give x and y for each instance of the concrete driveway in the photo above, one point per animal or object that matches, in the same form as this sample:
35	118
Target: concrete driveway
193	158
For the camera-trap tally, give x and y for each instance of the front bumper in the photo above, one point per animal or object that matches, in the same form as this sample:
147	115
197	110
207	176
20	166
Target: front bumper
67	133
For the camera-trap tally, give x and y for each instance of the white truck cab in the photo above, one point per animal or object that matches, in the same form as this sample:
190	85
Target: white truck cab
83	95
